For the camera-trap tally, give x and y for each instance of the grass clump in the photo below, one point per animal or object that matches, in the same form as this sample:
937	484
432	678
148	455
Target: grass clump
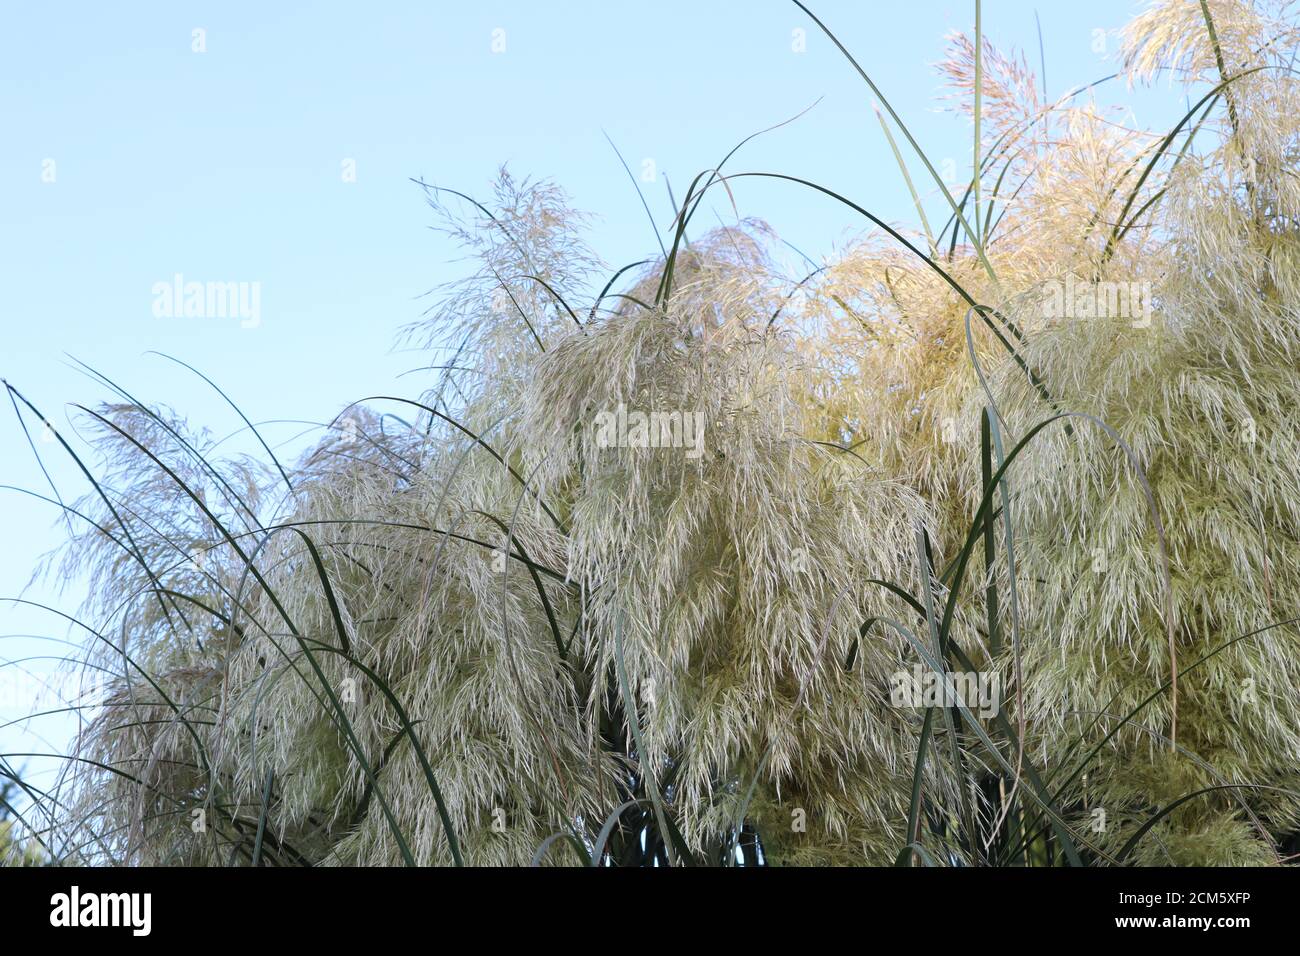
634	579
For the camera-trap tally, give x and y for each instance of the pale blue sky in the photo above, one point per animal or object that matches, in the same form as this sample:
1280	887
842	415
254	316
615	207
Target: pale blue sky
226	165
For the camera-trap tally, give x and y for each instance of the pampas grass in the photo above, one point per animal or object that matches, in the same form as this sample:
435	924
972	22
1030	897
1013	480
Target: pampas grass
463	628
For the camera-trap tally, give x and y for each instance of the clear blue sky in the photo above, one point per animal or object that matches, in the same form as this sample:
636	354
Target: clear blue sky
226	165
